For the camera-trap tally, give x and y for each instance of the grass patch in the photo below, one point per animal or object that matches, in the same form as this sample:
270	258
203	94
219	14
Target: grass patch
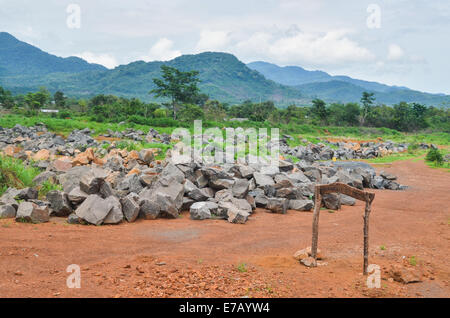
242	267
413	261
398	156
14	174
48	186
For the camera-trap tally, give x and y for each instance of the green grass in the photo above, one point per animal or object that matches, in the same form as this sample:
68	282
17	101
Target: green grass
242	267
48	186
15	174
311	133
382	247
397	157
413	261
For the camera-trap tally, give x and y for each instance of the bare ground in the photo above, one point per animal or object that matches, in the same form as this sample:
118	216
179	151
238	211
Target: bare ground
186	258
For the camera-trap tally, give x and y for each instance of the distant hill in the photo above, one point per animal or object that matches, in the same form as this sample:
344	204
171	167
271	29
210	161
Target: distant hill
25	68
20	58
319	84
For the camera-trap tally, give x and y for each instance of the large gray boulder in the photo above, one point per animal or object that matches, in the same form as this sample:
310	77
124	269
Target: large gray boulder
114	216
130	207
7	212
76	196
240	188
168	193
71	179
59	203
301	205
31	212
262	179
94	209
91	181
149	210
200	211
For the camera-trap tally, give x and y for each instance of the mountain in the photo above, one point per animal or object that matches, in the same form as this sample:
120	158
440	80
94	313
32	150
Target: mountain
20	58
319	84
222	76
25	68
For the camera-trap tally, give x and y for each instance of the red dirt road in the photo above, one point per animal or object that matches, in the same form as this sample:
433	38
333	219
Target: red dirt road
186	258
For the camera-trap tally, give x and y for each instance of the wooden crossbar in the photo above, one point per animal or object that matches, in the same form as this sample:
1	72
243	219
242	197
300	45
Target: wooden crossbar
358	194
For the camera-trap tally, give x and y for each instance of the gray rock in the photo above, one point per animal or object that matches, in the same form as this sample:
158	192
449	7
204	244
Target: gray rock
240	188
130	207
105	190
28	194
261	201
172	173
73	219
200	211
44	176
146	155
31	212
59	203
347	200
262	179
378	182
277	205
187	202
114	216
220	184
71	179
388	176
7	212
301	205
313	174
149	210
91	181
331	201
94	209
234	215
76	196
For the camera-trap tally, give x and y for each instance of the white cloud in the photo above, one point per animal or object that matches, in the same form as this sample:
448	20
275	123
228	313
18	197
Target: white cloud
330	48
395	52
212	40
161	51
105	59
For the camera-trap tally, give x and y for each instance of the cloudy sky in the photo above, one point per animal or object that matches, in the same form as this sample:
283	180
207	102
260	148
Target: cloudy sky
397	42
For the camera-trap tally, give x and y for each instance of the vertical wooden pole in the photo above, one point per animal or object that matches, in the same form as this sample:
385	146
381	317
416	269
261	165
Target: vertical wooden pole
315	229
366	235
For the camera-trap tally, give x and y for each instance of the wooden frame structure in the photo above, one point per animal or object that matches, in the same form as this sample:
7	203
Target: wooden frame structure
352	192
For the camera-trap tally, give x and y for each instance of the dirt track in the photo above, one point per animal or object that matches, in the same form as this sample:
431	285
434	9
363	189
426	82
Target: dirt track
185	258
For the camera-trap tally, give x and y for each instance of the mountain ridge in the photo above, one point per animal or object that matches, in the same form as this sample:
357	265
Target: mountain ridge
223	76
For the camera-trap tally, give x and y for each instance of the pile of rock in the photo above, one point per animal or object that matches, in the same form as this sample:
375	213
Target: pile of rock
341	150
106	185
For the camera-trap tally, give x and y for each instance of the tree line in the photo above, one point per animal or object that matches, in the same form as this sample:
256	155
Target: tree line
182	101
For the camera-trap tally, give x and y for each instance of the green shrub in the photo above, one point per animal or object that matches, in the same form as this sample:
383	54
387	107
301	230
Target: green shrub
434	155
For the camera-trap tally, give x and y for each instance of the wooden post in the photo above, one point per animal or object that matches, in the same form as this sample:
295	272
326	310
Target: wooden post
366	235
315	229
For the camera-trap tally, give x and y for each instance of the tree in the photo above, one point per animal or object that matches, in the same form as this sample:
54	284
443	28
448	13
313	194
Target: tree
60	99
214	110
320	110
36	101
6	99
367	100
191	112
180	87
